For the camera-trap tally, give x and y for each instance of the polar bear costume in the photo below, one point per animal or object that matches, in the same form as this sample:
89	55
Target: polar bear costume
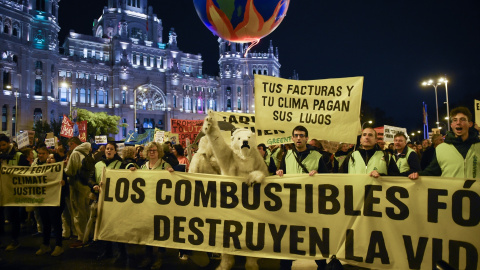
241	158
204	161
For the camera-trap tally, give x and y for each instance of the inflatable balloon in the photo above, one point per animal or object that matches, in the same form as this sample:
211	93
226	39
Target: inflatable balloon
241	21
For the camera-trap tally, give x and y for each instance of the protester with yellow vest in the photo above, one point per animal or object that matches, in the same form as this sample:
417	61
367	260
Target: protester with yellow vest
302	159
459	156
370	159
154	152
12	157
407	160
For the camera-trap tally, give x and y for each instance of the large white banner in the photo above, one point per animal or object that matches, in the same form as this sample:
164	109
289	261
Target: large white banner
385	223
247	120
31	186
328	108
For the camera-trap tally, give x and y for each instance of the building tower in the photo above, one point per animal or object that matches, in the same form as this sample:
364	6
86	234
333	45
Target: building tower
237	72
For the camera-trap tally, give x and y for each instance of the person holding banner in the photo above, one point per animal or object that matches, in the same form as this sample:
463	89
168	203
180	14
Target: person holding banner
407	160
458	156
302	159
427	156
10	156
370	159
42	156
51	216
340	156
154	153
111	161
79	193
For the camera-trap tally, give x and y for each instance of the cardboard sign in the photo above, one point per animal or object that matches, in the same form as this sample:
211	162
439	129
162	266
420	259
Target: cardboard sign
327	107
102	139
390	131
159	136
186	129
50	143
22	140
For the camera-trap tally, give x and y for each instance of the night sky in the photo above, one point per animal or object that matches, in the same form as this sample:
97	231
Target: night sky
395	45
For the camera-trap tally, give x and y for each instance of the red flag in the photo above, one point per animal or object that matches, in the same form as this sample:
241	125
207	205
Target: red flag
67	127
82	130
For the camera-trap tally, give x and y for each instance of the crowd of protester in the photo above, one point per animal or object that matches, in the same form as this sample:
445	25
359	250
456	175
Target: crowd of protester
74	218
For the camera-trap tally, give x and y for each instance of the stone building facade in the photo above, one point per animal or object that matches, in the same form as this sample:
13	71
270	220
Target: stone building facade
124	68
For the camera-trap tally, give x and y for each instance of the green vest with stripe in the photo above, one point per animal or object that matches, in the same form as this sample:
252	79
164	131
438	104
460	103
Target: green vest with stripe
402	163
453	164
310	162
101	164
375	163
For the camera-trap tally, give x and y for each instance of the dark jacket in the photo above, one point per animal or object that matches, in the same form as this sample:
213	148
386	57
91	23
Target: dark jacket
392	168
433	169
10	155
413	161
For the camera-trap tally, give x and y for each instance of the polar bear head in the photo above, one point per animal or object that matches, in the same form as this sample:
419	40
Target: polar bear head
243	143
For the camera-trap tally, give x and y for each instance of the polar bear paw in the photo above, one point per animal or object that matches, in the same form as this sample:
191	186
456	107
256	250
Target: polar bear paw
255	177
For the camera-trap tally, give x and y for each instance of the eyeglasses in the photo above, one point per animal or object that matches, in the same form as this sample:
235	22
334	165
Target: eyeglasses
152	151
299	135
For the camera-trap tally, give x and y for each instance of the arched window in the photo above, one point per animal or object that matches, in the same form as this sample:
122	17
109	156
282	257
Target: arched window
4	117
200	105
265	72
82	95
54	9
37	115
212	104
7	80
6	27
124	128
124	97
63	94
239	104
229	104
40	5
174	101
187	104
38	87
148	123
100	97
15	32
38	65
